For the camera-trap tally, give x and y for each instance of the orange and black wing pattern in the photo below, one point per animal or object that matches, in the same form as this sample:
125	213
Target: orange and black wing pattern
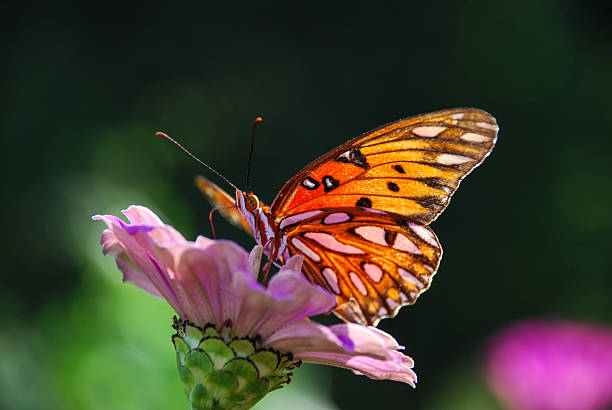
410	167
359	214
374	262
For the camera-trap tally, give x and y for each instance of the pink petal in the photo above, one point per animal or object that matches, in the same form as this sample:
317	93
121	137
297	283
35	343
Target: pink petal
139	215
255	260
209	281
110	244
365	350
133	274
204	280
139	250
288	298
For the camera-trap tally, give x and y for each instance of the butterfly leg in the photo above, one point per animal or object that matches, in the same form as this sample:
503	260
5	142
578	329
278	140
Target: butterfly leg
266	272
272	254
210	217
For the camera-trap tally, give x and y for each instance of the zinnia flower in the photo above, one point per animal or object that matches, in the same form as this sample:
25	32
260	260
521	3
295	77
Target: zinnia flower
236	339
544	365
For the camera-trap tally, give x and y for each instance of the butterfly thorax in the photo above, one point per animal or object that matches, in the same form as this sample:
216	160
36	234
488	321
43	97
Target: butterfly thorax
262	224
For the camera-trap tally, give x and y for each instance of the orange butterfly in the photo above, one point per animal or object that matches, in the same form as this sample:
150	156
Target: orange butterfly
359	213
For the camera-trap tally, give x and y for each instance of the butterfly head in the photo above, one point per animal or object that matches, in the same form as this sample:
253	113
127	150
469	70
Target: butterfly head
251	202
247	202
251	210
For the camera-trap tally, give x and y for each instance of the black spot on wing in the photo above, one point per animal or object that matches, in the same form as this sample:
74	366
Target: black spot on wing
355	157
392	186
399	169
390	237
344	158
364	202
436	183
359	159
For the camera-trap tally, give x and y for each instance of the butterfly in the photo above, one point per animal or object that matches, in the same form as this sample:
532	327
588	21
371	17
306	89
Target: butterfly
360	213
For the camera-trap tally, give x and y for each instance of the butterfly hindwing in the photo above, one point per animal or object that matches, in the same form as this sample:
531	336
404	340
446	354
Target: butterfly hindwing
374	262
410	167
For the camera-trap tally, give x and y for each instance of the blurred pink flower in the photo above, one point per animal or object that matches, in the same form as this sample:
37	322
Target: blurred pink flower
549	365
215	282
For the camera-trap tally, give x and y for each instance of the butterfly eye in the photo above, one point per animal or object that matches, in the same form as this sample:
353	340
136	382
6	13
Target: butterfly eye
251	202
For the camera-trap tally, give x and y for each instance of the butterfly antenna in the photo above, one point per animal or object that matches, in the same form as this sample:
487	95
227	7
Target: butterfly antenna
161	134
248	181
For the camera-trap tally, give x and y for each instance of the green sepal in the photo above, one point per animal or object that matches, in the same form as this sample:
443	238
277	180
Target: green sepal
210	331
242	347
221	372
219	352
199	363
267	361
181	348
199	398
244	370
192	335
221	384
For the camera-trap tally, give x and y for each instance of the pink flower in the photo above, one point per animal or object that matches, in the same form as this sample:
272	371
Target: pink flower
215	282
547	365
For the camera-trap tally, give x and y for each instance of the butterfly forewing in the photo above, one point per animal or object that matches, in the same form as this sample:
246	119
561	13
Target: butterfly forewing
374	262
222	201
410	167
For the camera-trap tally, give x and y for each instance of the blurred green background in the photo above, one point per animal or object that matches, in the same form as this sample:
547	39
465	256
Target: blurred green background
84	87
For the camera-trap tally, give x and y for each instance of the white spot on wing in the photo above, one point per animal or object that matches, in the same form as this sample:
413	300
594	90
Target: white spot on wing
452	159
428	131
336	218
458	116
472	137
372	233
302	247
293	219
346	155
391	303
409	277
329	242
493	127
402	243
358	283
309	183
424	233
373	271
332	279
